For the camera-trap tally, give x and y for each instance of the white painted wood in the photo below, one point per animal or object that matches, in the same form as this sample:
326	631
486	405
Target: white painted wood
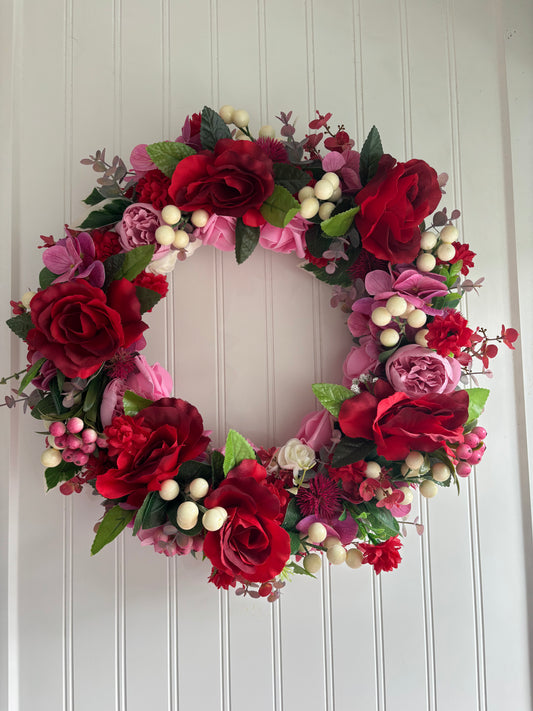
446	81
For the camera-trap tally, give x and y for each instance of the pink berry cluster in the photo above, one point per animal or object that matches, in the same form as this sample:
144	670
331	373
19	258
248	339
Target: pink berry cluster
471	451
75	441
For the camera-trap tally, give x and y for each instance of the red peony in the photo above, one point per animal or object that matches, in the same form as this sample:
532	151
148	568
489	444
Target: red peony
153	188
234	179
393	204
251	544
399	424
449	333
105	244
168	433
384	556
78	327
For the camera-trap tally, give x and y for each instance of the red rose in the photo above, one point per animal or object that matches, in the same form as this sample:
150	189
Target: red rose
384	556
393	204
251	543
153	189
399	424
78	327
449	334
174	435
231	180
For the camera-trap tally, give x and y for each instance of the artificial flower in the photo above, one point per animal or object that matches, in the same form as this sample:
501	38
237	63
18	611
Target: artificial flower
416	371
383	556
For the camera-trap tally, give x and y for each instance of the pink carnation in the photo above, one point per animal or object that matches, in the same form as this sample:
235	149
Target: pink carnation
417	371
285	239
219	232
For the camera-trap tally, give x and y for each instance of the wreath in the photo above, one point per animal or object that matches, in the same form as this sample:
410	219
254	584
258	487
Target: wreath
402	420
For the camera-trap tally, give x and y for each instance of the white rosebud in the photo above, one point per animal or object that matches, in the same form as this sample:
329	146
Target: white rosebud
165	265
26	298
296	455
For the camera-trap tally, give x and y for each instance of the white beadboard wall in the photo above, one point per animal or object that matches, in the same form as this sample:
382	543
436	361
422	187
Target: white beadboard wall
444	80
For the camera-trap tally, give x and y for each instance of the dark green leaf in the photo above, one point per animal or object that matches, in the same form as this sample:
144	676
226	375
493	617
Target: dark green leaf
134	403
371	152
237	449
289	177
292	515
275	207
151	514
168	154
477	397
55	392
135	261
340	276
295	542
107	215
317	242
20	325
212	129
31	374
217	466
299	570
94	198
191	470
148	298
339	224
350	450
246	239
112	267
384	356
380	519
113	523
331	396
63	472
46	277
47	409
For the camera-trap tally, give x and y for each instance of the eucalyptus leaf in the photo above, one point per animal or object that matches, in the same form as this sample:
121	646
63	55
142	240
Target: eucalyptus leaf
113	523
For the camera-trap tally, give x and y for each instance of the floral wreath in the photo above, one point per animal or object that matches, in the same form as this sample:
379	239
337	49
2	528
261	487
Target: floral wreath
341	488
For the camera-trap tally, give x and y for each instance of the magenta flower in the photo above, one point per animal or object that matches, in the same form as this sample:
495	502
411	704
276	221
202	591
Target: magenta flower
74	258
417	288
346	165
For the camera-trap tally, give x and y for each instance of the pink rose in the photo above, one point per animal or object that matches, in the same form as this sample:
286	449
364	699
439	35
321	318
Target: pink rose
285	239
316	429
137	227
361	359
417	371
219	231
140	160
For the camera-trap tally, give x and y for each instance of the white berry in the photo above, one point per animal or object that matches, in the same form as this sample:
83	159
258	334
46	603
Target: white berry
381	316
449	234
51	458
26	298
389	337
428	488
305	192
414	460
181	239
309	208
336	194
420	337
199	218
396	305
164	235
417	318
330	541
187	515
317	532
214	519
323	189
198	488
312	562
325	210
373	470
171	214
428	240
440	472
333	178
169	489
267	131
407	495
336	554
446	252
226	113
354	558
426	262
240	118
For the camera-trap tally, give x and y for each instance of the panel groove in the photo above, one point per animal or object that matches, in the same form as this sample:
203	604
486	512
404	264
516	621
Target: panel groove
358	61
379	643
120	628
427	602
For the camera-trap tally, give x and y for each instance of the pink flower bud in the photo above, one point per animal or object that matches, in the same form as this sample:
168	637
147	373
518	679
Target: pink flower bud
60	442
475	457
101	442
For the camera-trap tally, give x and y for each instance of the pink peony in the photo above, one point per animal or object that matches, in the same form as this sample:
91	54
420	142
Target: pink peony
219	232
137	227
417	371
285	239
316	429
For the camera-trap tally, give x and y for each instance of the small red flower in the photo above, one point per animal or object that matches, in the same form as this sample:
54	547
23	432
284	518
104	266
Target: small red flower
351	472
153	188
509	336
154	282
17	308
222	579
340	142
384	556
320	122
105	244
449	334
463	252
317	261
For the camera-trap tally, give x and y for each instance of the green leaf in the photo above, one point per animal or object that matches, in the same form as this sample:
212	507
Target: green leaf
289	177
113	523
350	450
295	542
191	470
237	449
148	298
136	261
63	472
217	467
384	356
276	207
20	325
134	403
31	374
46	277
112	267
167	154
94	198
292	515
212	129
299	570
381	520
107	215
290	215
331	396
246	239
477	397
340	276
338	225
93	397
371	152
151	514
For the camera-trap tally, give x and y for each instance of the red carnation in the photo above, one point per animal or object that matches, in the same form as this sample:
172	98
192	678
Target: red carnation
234	179
349	473
393	204
449	334
150	448
154	282
384	556
78	327
251	544
465	254
153	188
105	244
